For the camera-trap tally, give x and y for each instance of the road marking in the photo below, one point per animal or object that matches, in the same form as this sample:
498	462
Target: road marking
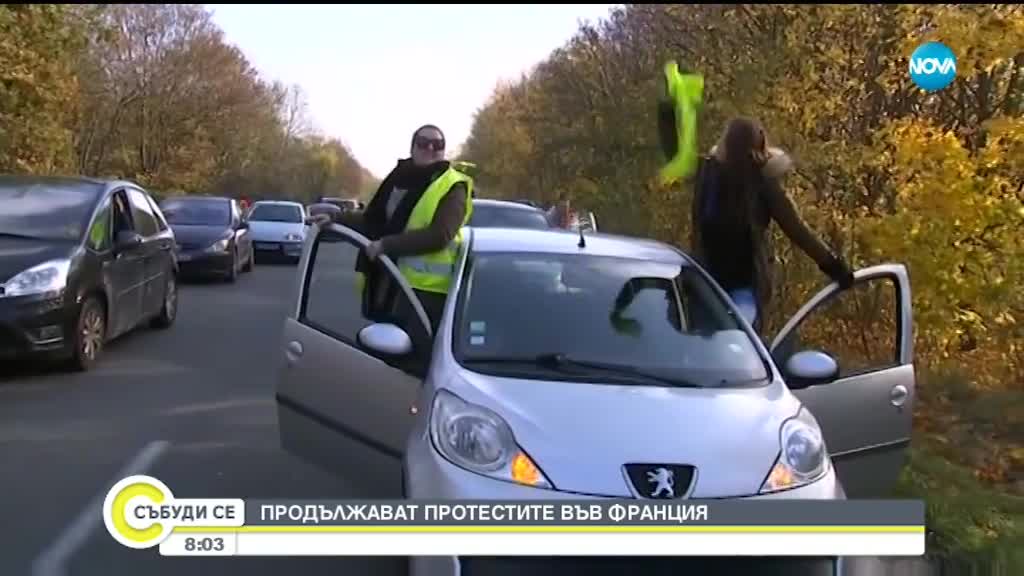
218	405
51	562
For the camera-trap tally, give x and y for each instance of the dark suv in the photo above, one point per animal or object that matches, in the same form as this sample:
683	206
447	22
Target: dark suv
82	261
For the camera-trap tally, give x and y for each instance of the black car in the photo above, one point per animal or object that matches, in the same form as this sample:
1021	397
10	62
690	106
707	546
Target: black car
81	262
212	235
504	214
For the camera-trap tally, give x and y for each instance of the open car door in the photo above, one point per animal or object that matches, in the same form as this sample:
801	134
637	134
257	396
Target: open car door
866	413
348	382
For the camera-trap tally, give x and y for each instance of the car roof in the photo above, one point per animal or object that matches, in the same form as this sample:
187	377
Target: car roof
558	241
278	202
198	197
504	204
87	186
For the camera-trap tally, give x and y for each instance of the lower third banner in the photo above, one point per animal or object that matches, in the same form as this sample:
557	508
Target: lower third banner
142	513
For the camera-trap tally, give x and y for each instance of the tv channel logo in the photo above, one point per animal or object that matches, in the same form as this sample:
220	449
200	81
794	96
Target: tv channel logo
932	66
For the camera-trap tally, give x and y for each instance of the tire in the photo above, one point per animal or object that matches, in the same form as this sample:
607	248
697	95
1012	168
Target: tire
250	262
169	309
90	335
232	274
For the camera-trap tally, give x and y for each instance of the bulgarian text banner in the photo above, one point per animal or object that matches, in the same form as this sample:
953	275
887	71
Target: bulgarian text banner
141	512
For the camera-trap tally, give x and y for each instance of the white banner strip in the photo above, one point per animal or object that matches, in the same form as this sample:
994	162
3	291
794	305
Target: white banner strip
545	544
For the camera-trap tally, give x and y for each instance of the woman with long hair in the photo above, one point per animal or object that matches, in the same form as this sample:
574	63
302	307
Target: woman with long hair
737	194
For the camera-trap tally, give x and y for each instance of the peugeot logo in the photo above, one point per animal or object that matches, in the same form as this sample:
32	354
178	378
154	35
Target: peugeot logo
664	481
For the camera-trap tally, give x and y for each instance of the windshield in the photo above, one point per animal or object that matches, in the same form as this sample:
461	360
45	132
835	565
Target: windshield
45	211
276	213
662	319
197	212
503	217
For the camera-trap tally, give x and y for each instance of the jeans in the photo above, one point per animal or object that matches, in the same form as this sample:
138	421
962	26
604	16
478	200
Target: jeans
745	301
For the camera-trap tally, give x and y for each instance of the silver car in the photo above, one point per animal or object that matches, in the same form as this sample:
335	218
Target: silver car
506	214
278	228
568	371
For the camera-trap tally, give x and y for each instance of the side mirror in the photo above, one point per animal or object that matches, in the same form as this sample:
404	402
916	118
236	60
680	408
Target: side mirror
810	368
386	339
243	225
126	240
308	221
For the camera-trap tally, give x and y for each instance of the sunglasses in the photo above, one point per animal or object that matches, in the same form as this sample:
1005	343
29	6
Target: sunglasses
429	144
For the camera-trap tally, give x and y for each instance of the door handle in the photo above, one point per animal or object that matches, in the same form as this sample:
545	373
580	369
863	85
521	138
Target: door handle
898	395
293	351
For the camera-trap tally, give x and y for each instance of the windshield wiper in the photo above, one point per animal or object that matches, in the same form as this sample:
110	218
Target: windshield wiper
561	362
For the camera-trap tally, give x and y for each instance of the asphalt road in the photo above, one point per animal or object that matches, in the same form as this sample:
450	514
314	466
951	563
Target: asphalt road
192	406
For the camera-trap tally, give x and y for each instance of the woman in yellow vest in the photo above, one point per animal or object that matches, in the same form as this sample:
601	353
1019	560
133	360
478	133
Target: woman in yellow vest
415	218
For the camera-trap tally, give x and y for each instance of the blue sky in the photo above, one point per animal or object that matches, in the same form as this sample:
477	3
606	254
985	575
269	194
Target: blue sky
372	74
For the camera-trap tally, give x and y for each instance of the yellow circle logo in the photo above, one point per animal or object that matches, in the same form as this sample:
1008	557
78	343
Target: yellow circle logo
131	512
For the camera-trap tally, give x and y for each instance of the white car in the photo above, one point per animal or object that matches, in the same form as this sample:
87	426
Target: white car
565	369
278	228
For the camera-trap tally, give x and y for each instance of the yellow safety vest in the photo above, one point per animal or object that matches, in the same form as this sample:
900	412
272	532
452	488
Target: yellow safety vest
432	272
686	92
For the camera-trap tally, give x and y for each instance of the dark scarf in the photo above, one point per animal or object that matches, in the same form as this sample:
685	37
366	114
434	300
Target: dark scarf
406	176
414	180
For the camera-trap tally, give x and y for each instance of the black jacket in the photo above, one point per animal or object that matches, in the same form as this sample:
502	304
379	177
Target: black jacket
744	258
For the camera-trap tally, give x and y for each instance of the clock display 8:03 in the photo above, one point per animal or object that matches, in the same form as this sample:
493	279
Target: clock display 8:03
204	544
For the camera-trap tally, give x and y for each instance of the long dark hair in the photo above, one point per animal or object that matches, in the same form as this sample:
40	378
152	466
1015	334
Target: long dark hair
742	153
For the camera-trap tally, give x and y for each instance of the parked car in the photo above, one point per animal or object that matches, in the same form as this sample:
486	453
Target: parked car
212	235
82	262
346	204
327	208
505	214
568	371
278	228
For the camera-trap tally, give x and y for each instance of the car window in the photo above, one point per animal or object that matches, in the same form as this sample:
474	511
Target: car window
663	318
122	215
99	232
276	213
859	327
161	220
197	212
333	298
503	217
46	211
142	214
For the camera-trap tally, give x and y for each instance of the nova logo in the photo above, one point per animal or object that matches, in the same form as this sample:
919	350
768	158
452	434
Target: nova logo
932	66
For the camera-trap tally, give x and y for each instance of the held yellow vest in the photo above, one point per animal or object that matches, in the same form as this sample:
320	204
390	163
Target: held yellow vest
687	94
432	272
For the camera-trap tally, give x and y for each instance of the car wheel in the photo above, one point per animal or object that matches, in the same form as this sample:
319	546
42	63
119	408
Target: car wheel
233	272
90	334
169	310
250	262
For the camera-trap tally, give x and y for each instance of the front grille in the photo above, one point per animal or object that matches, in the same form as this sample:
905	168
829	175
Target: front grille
660	481
188	246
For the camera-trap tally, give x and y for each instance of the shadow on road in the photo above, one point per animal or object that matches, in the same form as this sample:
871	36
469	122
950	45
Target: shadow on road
20	368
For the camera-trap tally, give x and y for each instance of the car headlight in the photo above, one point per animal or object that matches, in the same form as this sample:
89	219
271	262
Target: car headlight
802	458
477	439
49	276
220	245
290	237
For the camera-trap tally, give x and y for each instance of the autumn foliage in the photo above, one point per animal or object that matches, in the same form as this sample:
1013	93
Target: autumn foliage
153	93
885	173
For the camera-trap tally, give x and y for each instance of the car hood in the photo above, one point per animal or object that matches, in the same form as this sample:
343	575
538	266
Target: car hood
20	254
275	231
581	435
199	235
